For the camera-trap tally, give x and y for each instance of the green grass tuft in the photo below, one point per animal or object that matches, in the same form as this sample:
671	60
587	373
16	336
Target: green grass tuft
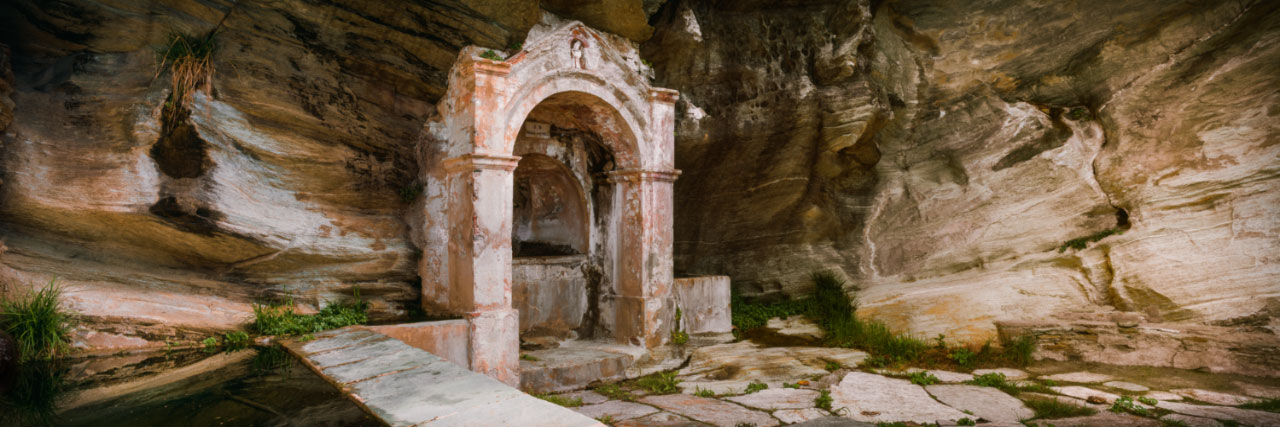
491	55
38	323
615	392
756	386
823	400
280	319
701	392
659	383
1057	408
561	400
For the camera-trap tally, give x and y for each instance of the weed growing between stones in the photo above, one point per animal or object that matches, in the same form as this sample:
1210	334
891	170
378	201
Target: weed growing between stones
833	366
823	401
38	323
1125	404
280	319
923	378
616	392
529	357
755	386
491	55
561	400
606	419
659	383
966	421
1056	408
702	392
678	336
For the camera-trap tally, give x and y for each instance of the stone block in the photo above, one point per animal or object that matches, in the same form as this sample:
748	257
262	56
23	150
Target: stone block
704	303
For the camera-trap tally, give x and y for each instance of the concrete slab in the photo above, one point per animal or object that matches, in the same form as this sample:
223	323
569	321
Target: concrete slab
570	367
405	386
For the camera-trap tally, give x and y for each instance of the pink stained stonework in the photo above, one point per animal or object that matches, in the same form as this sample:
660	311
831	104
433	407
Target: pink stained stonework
598	189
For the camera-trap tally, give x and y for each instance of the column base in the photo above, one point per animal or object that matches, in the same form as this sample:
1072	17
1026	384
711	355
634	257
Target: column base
643	321
494	344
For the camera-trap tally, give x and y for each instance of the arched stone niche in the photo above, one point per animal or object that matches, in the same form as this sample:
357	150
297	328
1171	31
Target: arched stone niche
572	79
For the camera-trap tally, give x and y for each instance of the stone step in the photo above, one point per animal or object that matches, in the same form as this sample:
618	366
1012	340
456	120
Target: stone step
405	386
573	366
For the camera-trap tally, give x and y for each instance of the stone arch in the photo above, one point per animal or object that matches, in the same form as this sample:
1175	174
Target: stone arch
590	91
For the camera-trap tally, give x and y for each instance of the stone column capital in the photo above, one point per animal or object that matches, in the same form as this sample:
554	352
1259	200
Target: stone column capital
644	175
491	67
663	95
476	161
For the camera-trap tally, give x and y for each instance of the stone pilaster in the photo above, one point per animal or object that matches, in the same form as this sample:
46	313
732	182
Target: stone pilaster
643	273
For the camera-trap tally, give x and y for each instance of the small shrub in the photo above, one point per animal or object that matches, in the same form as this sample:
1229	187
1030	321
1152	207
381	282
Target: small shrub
659	383
210	344
235	340
1125	404
561	400
756	386
1055	408
701	392
963	357
966	421
615	392
923	378
38	323
1269	405
491	55
823	400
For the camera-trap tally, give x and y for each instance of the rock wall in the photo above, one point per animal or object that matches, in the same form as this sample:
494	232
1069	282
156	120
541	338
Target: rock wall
936	154
940	154
290	179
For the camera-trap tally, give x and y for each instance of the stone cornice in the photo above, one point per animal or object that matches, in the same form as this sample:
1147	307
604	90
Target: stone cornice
663	95
481	162
644	175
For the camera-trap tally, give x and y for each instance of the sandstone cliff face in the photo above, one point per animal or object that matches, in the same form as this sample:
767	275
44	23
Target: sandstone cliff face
288	181
936	154
939	155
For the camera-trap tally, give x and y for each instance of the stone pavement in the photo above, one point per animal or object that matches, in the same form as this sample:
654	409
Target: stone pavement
860	398
404	386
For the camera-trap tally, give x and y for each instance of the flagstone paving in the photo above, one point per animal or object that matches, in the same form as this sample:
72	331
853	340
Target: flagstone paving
859	398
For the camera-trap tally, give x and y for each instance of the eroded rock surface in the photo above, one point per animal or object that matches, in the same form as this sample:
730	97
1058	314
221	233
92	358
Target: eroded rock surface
873	398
